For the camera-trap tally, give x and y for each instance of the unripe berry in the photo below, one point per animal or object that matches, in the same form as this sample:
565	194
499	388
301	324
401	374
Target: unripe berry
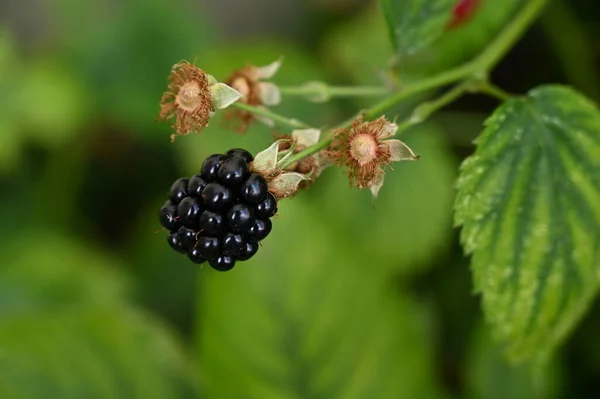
462	12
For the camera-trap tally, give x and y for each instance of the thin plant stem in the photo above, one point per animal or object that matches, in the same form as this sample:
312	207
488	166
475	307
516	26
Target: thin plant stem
477	69
282	120
421	113
492	90
425	110
322	92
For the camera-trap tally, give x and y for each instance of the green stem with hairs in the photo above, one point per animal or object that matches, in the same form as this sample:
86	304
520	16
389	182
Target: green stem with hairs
492	90
474	74
321	92
426	109
280	119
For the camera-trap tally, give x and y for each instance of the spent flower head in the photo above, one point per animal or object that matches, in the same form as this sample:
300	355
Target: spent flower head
192	97
249	81
282	183
312	165
365	148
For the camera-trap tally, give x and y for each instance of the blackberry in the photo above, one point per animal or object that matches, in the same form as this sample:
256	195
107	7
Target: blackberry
220	215
208	247
248	250
187	237
195	256
254	189
240	153
196	185
222	263
189	210
217	197
179	190
233	172
212	223
267	208
175	243
240	218
211	166
261	229
168	217
233	244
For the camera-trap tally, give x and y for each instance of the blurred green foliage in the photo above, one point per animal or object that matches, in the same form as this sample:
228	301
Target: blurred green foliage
347	298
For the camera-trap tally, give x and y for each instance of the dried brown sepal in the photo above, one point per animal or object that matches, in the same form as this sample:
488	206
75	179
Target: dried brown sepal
311	166
187	99
255	92
243	80
365	149
285	185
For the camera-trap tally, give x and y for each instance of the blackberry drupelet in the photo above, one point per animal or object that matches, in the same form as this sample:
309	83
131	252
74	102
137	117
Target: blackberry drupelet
179	190
267	208
221	214
254	189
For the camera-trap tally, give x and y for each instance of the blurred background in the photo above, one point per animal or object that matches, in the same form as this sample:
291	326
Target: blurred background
346	298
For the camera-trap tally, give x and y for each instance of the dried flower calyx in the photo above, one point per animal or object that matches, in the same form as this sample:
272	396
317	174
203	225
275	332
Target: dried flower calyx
250	82
192	97
365	149
268	163
312	165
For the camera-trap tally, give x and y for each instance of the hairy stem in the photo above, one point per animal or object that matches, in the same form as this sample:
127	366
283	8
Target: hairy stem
444	78
425	110
492	90
321	92
280	119
477	69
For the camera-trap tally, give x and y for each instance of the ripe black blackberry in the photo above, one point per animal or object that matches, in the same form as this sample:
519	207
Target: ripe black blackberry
221	214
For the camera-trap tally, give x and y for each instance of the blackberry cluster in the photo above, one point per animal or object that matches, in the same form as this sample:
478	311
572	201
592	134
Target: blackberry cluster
221	214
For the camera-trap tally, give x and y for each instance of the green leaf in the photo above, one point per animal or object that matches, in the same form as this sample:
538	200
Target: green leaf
529	203
415	24
67	331
490	376
305	319
462	43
